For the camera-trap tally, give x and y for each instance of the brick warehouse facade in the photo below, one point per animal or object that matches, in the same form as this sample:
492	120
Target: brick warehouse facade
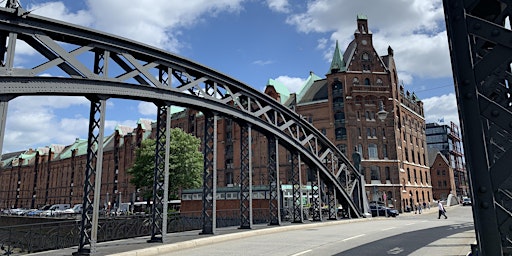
344	106
56	174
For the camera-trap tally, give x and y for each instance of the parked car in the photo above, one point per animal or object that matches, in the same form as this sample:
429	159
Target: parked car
77	208
466	201
55	210
382	211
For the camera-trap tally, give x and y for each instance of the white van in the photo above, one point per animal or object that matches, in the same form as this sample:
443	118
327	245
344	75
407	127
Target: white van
55	210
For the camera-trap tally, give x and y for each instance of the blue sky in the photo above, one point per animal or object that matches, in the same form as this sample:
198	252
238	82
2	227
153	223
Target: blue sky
249	40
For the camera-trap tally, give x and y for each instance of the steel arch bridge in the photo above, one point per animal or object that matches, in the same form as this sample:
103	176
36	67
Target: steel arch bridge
87	59
481	51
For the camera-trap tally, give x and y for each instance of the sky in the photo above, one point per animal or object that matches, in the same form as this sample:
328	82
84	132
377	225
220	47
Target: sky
250	40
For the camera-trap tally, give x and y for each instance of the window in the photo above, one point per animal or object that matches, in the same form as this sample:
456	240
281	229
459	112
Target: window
365	56
366	81
359	132
415	176
385	151
444	172
337	85
341	133
383	132
408	175
355	81
374	132
342	148
324	132
368	132
229	178
379	81
360	148
375	172
372	151
387	173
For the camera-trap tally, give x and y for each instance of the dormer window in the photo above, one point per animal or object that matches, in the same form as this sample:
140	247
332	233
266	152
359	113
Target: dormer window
365	56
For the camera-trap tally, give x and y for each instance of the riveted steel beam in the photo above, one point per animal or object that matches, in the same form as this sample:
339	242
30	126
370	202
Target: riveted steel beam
91	199
209	211
296	181
274	185
245	176
481	51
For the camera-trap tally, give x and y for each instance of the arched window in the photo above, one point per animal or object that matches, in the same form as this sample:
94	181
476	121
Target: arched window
366	81
365	56
378	82
387	173
355	81
408	175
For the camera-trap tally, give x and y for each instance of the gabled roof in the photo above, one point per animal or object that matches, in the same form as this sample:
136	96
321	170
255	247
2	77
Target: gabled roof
307	85
284	93
316	92
432	155
337	63
80	145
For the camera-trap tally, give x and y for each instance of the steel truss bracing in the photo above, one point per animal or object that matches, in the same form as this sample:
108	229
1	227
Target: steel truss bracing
331	200
315	193
296	181
129	70
274	186
210	174
93	170
161	176
245	177
480	46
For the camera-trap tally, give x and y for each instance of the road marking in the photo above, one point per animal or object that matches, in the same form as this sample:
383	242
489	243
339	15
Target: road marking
388	228
300	253
350	238
410	224
396	250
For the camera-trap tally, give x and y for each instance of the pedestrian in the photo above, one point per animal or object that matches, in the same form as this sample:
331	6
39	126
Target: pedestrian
442	211
424	205
419	208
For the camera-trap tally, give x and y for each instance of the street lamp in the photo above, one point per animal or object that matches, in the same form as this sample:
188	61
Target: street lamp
382	114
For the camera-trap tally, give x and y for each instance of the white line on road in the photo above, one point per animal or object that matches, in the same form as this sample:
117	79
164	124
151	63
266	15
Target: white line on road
350	238
300	253
410	224
388	228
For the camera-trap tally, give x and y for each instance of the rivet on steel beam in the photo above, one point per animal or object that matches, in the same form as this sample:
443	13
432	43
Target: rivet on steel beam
495	32
482	189
495	113
485	205
477	26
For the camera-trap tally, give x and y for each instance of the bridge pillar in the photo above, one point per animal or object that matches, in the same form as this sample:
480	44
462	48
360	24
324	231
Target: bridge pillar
331	199
274	186
245	177
3	120
315	191
297	189
209	212
161	175
93	170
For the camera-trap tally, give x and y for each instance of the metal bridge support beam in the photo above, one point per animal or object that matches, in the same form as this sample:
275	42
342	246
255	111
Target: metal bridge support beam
480	51
245	176
315	191
209	212
161	175
273	176
3	121
331	200
89	224
297	189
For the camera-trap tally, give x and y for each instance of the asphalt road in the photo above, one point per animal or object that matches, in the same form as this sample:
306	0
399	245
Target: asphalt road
408	234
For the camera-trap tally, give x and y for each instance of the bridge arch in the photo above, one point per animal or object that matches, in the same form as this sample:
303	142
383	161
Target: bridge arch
102	66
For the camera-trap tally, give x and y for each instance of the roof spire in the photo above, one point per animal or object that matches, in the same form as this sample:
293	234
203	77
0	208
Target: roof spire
337	63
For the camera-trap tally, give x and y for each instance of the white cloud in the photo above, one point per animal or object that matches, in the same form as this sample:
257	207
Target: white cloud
147	108
263	62
415	29
293	84
279	5
59	11
441	107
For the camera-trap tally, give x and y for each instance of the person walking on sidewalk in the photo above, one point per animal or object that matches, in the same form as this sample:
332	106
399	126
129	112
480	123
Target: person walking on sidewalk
442	211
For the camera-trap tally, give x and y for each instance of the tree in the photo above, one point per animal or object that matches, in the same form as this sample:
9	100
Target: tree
185	164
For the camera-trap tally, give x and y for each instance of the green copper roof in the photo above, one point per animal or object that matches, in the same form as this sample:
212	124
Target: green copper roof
337	62
307	85
362	17
284	93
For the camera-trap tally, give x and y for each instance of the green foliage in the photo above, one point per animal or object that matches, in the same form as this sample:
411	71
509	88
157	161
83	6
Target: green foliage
185	164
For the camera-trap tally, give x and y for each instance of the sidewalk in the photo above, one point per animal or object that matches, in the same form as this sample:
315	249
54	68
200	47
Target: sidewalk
458	244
